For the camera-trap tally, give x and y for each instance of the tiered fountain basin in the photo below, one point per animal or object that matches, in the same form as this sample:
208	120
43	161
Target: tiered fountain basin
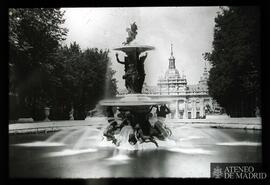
133	100
134	47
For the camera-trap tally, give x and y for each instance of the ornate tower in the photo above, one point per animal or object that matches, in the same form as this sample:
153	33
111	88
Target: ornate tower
205	76
172	83
171	59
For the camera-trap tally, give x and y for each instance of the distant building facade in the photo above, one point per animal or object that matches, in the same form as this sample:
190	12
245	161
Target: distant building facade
186	101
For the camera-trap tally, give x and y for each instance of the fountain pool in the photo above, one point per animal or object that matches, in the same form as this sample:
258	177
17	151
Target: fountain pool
79	155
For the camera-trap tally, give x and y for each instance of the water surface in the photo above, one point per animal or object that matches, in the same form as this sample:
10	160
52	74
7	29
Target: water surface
195	149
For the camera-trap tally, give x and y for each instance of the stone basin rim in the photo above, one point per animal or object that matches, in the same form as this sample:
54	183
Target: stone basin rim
142	48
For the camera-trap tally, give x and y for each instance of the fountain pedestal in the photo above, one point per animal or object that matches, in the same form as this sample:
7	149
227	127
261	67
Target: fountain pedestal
134	66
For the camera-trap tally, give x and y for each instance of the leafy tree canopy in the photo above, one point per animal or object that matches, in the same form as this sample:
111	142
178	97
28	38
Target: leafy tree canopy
42	72
234	79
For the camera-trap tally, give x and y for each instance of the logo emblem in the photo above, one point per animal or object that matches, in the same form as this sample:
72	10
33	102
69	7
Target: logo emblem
217	172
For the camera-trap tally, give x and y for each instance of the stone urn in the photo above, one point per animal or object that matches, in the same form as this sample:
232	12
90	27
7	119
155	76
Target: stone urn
71	117
47	113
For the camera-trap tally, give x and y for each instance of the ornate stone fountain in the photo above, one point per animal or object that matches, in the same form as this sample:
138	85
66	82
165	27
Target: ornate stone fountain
134	106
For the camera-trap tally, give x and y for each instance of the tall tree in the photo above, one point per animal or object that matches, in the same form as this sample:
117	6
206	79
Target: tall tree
34	36
234	79
83	78
44	73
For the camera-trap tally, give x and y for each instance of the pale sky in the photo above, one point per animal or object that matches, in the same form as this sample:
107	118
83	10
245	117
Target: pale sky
189	29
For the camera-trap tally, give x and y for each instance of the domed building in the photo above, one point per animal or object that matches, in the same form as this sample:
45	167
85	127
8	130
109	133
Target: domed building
172	83
186	101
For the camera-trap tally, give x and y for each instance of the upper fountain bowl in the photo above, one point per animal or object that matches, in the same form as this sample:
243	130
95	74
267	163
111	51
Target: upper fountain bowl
134	47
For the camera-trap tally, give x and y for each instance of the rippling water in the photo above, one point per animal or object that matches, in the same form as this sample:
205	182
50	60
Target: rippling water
81	153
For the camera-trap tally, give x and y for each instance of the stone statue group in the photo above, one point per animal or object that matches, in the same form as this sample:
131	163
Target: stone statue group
134	72
145	128
134	63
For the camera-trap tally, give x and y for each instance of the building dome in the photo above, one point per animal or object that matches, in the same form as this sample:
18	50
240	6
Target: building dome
172	73
172	83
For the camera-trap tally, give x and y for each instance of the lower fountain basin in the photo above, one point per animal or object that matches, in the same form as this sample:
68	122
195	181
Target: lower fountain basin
133	100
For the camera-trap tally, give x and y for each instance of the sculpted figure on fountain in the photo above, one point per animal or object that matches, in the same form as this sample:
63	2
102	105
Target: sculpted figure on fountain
125	62
131	79
132	32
